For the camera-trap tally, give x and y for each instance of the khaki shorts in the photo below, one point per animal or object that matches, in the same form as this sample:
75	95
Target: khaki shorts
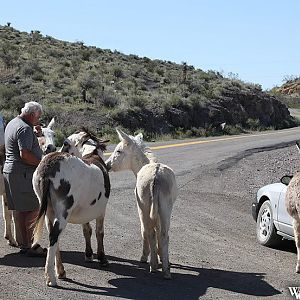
19	191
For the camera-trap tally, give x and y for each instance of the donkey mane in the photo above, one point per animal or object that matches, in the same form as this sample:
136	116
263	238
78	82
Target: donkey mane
101	144
94	158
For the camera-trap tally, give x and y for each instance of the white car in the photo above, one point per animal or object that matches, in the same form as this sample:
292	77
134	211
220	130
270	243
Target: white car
273	223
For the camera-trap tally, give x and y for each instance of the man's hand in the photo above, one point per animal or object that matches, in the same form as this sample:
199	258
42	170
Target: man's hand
38	130
29	158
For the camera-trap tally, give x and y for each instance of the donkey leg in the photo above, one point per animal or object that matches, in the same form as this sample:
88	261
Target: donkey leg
7	216
149	239
60	270
164	242
58	226
144	231
296	224
158	236
153	250
146	245
100	235
165	212
87	233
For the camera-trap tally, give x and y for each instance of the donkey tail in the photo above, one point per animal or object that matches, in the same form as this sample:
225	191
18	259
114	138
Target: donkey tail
154	202
44	184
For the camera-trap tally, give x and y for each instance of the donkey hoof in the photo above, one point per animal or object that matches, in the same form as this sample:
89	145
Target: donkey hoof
167	275
88	258
144	259
51	283
12	243
153	269
63	275
104	262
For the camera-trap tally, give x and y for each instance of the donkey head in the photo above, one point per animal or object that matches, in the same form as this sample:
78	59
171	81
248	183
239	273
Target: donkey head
82	143
46	140
124	152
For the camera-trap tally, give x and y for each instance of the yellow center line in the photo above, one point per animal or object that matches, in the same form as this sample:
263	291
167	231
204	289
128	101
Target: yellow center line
212	141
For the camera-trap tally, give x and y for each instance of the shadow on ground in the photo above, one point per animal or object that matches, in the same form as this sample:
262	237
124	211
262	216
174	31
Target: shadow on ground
135	282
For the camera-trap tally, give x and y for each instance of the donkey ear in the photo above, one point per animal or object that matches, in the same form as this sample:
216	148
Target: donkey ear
139	137
123	136
51	124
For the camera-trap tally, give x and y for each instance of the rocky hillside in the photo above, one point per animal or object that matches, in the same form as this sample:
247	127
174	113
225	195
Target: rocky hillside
101	89
291	87
289	93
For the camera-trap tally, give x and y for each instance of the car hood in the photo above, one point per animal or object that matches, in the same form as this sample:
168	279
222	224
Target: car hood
271	189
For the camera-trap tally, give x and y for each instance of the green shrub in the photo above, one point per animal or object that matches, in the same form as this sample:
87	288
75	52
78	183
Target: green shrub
59	137
253	124
136	101
38	76
233	130
118	72
8	91
31	67
86	54
108	99
173	101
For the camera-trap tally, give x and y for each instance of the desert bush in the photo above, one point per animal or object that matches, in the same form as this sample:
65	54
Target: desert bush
173	101
9	54
118	72
136	101
233	129
31	67
85	54
253	124
88	80
109	100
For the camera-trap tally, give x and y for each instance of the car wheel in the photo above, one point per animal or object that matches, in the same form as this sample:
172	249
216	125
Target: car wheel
265	229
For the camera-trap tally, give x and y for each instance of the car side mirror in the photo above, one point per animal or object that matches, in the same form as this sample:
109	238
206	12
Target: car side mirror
286	179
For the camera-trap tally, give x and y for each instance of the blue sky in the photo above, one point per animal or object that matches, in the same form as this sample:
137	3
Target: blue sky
256	39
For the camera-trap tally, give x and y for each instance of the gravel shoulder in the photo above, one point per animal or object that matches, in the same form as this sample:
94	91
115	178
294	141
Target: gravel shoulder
227	231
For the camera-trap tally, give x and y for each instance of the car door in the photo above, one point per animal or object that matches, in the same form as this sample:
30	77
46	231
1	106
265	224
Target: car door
285	222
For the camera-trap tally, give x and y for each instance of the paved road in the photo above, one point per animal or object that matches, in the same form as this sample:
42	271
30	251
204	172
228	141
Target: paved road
295	112
213	249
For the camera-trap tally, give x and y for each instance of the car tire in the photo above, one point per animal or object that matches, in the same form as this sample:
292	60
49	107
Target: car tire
265	229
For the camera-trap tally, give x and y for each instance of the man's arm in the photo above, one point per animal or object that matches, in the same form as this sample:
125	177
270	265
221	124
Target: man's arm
29	158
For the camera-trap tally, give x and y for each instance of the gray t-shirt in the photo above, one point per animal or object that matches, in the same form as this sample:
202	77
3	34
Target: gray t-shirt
19	135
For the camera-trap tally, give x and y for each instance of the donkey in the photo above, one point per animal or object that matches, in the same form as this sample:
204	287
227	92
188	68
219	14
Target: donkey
292	204
83	144
71	190
155	191
47	144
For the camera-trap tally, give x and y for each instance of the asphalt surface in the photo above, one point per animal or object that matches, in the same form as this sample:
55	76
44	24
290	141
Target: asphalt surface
213	249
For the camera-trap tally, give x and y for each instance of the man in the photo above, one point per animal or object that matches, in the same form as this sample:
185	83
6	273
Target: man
23	155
